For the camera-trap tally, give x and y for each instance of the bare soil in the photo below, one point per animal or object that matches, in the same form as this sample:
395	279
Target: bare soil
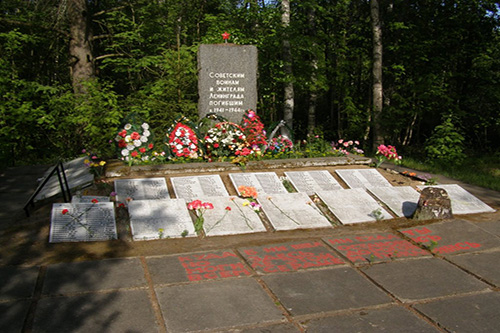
27	243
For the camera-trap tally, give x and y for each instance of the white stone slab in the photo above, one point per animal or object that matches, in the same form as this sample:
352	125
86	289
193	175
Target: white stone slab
194	187
353	205
238	220
83	222
77	174
362	178
462	202
88	199
312	181
264	182
401	200
156	219
141	189
292	211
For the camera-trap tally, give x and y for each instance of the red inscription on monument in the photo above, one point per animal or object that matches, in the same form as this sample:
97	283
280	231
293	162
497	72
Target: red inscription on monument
291	257
208	266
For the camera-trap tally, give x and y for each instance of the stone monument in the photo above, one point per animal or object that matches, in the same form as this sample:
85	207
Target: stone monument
227	80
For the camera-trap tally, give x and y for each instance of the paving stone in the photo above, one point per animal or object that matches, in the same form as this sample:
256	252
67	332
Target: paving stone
490	226
472	313
196	267
452	237
390	319
120	311
193	187
141	189
416	279
401	200
77	174
84	276
277	328
315	291
82	222
353	206
88	198
216	305
484	264
230	217
263	182
462	202
156	219
312	181
292	211
288	257
379	247
17	282
13	315
362	178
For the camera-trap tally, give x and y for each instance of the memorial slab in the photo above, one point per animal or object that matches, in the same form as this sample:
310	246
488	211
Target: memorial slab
353	206
312	181
230	216
389	319
216	305
263	182
483	264
157	219
292	211
99	275
141	189
289	257
227	80
401	200
462	202
452	237
194	187
471	313
362	178
201	266
423	278
82	222
77	174
88	199
119	311
317	291
371	248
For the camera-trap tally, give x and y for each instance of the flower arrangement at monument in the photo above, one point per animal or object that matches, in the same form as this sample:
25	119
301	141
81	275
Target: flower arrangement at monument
134	143
225	139
346	147
253	128
280	144
183	142
388	153
199	208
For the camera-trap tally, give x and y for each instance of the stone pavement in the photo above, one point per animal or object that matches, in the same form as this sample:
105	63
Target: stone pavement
438	277
364	282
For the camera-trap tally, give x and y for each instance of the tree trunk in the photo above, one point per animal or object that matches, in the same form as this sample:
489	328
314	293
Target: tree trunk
287	60
313	92
378	138
82	64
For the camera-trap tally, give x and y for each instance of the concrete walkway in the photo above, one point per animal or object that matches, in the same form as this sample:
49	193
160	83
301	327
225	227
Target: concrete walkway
437	277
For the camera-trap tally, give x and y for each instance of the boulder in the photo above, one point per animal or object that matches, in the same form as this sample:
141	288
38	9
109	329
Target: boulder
434	203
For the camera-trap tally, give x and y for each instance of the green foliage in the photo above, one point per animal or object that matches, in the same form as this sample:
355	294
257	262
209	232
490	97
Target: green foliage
446	145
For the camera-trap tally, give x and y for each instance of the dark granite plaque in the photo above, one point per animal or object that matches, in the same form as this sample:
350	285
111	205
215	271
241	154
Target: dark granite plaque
227	80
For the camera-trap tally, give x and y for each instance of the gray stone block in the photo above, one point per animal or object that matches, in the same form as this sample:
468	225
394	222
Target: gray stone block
308	292
417	279
216	305
17	282
13	315
472	313
484	265
84	276
120	311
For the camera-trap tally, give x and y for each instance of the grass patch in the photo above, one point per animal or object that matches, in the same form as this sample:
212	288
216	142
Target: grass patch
482	171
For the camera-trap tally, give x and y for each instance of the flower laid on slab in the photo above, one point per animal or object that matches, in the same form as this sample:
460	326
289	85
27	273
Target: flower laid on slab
199	208
281	211
76	219
226	211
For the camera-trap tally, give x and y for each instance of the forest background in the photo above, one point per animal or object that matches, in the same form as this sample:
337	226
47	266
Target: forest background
71	70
